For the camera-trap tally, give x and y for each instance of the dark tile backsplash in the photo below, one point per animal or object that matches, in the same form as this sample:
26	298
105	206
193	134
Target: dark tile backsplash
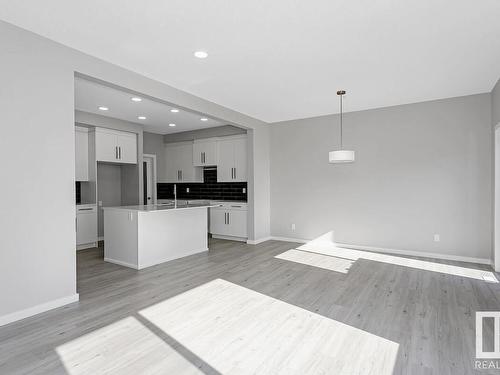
209	189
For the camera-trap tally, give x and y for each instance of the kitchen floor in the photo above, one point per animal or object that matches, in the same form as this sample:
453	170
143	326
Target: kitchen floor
242	309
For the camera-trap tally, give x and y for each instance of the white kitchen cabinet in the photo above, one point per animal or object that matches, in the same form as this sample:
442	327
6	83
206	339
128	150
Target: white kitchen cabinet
229	221
115	146
86	225
232	159
179	163
205	152
81	154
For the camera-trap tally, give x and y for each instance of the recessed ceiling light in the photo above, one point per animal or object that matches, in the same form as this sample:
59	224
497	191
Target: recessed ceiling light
171	125
141	117
136	99
174	110
103	108
201	54
203	119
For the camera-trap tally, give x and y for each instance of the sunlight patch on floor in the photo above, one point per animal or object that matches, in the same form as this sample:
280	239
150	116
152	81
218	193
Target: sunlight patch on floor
308	258
239	331
330	249
124	347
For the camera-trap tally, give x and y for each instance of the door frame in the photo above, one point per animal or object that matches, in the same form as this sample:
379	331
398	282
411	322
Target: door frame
152	158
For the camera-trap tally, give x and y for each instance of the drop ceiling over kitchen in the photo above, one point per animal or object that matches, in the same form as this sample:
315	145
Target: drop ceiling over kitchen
156	117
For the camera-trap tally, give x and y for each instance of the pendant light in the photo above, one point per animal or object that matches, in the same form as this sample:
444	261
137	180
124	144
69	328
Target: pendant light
341	156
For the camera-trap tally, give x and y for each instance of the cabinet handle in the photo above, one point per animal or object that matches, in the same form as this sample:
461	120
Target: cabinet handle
236	206
85	209
232	173
201	157
204	158
116	152
120	152
228	218
181	175
235	173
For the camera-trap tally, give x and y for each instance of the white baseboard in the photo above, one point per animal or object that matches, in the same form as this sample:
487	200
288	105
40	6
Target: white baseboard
289	239
120	263
86	246
260	240
422	254
230	238
22	314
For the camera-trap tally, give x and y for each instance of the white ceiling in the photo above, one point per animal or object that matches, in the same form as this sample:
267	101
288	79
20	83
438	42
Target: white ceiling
89	96
284	59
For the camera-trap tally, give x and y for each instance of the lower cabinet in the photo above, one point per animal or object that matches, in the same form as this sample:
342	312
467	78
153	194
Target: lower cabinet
86	225
229	221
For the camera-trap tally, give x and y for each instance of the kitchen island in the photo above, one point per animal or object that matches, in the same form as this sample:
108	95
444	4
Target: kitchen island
146	235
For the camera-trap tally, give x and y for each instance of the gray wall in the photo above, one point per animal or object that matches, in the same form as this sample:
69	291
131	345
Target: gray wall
35	74
218	131
109	189
420	169
495	104
153	144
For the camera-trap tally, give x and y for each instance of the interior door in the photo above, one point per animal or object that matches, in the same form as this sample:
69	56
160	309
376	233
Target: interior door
148	180
225	165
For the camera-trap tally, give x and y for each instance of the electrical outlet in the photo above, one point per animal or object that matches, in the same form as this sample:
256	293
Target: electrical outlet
244	190
437	238
100	203
187	190
293	227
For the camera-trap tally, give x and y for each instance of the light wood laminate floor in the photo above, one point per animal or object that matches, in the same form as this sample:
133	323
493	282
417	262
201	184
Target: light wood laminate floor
242	309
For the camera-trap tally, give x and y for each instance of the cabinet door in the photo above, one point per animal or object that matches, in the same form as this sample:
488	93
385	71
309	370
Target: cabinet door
210	152
225	162
198	150
81	155
106	147
204	153
218	221
240	160
86	227
127	152
189	173
172	163
237	223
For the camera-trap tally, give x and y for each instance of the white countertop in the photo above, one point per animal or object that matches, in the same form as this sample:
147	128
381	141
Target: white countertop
159	207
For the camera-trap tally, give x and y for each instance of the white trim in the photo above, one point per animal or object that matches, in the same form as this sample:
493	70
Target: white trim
120	263
43	307
230	238
422	254
260	240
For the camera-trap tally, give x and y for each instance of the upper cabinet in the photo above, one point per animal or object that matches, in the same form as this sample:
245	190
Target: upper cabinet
179	163
81	154
232	159
205	152
115	146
